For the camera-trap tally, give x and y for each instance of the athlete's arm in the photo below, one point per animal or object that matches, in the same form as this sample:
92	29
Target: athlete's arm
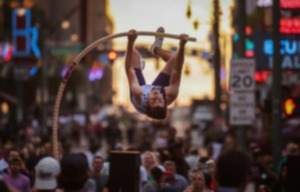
173	89
132	79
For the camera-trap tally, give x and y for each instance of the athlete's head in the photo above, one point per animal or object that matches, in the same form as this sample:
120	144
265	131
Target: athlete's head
156	105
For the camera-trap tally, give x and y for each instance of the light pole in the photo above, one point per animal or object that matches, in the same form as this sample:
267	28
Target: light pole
216	59
276	86
241	131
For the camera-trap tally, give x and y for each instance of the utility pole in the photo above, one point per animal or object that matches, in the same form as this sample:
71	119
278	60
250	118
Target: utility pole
83	21
276	86
216	59
241	21
44	91
241	131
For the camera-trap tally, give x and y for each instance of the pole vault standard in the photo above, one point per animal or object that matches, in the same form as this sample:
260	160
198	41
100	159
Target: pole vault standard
77	60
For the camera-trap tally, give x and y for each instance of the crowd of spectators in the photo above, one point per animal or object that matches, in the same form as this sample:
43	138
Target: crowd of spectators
169	161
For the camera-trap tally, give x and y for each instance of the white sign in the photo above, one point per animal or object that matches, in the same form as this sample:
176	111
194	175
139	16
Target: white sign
242	75
242	108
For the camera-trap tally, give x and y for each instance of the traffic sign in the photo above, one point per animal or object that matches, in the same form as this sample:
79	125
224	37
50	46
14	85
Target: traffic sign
242	75
242	106
65	50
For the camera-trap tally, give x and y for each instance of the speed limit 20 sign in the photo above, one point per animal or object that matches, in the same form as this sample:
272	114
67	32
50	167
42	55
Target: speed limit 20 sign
242	75
242	85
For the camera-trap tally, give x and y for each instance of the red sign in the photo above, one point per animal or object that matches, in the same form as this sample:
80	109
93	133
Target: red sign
290	26
261	76
290	4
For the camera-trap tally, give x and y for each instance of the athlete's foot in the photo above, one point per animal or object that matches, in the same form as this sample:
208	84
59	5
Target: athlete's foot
158	40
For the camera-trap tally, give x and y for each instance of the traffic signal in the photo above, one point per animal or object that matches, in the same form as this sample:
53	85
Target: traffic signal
291	107
112	55
249	44
109	56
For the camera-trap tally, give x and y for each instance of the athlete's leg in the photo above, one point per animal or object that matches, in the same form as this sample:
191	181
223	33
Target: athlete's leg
172	69
163	78
164	54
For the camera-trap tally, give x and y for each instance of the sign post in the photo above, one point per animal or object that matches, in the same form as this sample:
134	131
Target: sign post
242	99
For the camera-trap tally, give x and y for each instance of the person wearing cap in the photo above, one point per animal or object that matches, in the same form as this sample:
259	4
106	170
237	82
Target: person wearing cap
172	179
46	172
157	185
14	178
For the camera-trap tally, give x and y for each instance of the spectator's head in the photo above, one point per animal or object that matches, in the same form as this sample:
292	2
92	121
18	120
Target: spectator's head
233	167
156	108
13	152
15	166
256	153
172	132
97	164
292	149
176	150
156	173
170	170
74	172
46	172
94	145
148	159
211	166
197	180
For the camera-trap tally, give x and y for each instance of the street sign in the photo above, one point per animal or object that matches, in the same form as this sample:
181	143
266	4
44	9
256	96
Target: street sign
242	106
65	50
242	75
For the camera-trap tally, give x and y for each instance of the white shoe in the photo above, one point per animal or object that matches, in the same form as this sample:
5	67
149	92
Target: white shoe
158	40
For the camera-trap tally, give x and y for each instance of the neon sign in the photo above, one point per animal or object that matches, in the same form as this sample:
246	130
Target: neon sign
261	76
6	52
290	4
290	26
288	47
289	50
96	72
286	4
24	37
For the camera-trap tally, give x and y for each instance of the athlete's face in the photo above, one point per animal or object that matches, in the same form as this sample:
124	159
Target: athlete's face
155	99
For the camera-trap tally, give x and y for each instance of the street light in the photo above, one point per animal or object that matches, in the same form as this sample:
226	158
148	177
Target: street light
4	108
74	37
65	24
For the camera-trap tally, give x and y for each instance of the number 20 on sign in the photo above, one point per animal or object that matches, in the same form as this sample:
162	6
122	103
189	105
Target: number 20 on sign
242	75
